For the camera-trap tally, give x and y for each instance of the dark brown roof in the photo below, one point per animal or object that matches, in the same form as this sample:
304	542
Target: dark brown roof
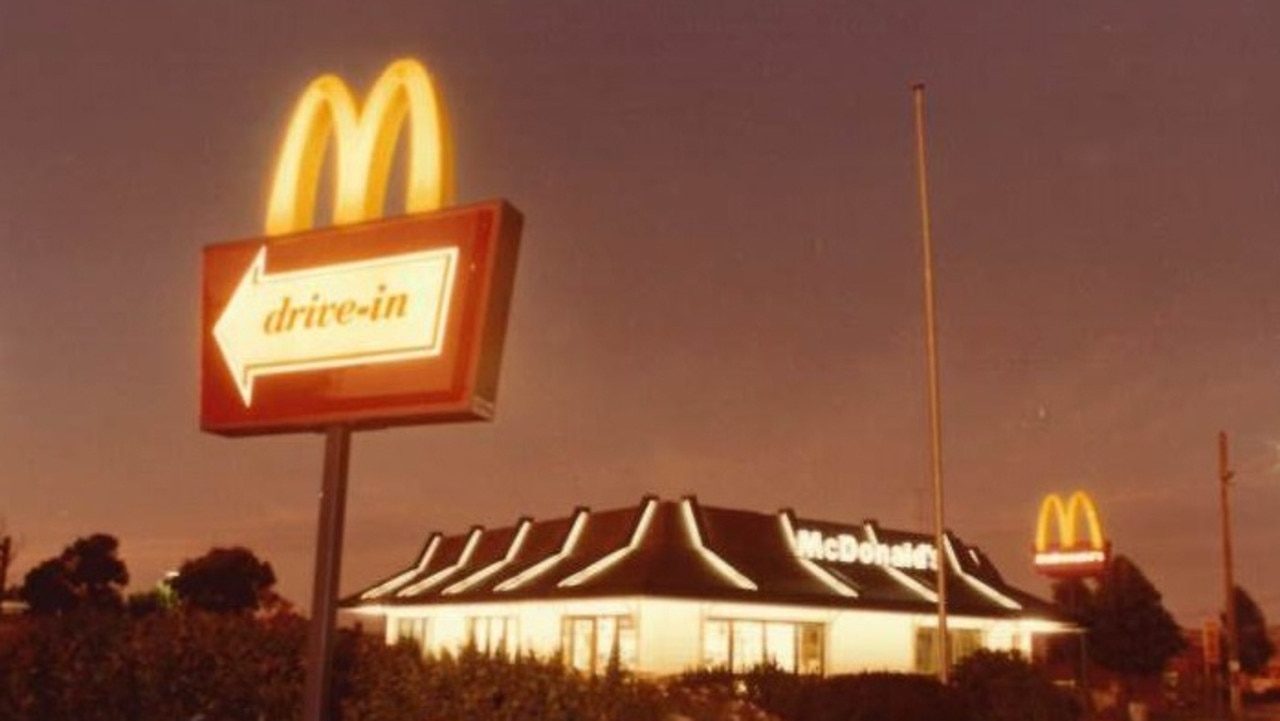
681	549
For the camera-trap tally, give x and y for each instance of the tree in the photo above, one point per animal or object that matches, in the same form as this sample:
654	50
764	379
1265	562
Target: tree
1256	647
48	589
1073	597
88	574
100	574
225	580
1129	629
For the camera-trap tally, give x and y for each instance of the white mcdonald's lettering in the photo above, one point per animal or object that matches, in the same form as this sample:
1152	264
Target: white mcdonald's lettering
387	309
364	141
846	548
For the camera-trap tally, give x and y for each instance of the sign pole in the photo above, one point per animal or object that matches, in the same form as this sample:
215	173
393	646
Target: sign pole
943	649
1232	638
320	641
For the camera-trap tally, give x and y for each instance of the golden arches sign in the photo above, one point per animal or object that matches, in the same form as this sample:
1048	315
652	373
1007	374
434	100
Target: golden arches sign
364	142
373	321
1067	518
1069	553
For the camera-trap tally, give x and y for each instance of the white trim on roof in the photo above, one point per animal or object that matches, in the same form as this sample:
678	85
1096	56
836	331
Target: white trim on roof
472	539
537	569
494	567
726	570
404	577
978	584
651	504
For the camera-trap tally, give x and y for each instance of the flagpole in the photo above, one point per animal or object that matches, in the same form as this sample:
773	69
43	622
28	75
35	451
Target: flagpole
935	420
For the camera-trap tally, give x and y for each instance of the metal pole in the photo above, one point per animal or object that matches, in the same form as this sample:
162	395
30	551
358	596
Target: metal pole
935	419
320	642
1228	582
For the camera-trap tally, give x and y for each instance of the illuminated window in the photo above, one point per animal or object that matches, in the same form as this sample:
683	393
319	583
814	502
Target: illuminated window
588	642
412	629
810	652
963	642
493	634
740	645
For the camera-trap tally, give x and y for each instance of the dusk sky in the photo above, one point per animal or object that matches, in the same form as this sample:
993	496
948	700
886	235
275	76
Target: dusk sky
719	283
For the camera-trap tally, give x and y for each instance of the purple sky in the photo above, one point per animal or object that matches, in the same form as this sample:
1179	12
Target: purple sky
719	287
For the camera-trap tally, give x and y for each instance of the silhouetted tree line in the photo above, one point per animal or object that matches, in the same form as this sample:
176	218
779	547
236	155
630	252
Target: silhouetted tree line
89	575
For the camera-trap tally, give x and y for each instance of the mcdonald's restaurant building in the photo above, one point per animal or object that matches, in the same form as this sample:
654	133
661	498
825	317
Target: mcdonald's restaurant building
674	585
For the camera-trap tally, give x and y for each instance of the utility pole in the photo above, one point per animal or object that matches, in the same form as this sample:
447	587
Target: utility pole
1228	581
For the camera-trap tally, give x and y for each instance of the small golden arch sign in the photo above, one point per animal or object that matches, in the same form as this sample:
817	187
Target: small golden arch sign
1069	540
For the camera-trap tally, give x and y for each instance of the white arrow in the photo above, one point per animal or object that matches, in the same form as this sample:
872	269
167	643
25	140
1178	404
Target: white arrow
386	309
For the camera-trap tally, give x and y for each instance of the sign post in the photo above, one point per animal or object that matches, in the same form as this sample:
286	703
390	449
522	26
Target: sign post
367	324
333	502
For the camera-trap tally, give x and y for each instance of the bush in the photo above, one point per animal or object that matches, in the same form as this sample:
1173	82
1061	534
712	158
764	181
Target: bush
376	682
475	685
1002	686
178	666
106	667
877	696
772	693
710	694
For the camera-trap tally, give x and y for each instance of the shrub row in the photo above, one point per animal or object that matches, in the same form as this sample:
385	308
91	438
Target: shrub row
986	686
203	667
166	667
206	667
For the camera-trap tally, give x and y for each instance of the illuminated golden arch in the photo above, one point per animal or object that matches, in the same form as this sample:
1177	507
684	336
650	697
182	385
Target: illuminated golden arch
1052	509
364	140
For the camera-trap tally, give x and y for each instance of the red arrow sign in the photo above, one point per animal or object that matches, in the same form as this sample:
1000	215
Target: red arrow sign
390	322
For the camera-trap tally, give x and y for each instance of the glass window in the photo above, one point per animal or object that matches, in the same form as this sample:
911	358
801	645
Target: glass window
742	644
810	651
748	645
963	642
925	651
780	645
715	644
412	629
493	634
589	642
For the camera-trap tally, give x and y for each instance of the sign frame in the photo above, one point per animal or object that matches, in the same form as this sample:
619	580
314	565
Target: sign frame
458	384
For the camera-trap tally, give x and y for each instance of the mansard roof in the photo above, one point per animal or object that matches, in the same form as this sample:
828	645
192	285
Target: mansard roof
682	549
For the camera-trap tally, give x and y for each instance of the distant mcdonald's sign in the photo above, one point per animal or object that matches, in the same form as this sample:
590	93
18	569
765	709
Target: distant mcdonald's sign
372	321
1060	549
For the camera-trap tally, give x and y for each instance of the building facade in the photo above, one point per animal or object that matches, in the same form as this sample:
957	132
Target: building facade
669	586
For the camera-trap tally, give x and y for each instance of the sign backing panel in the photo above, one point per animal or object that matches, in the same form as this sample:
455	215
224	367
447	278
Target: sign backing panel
391	322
